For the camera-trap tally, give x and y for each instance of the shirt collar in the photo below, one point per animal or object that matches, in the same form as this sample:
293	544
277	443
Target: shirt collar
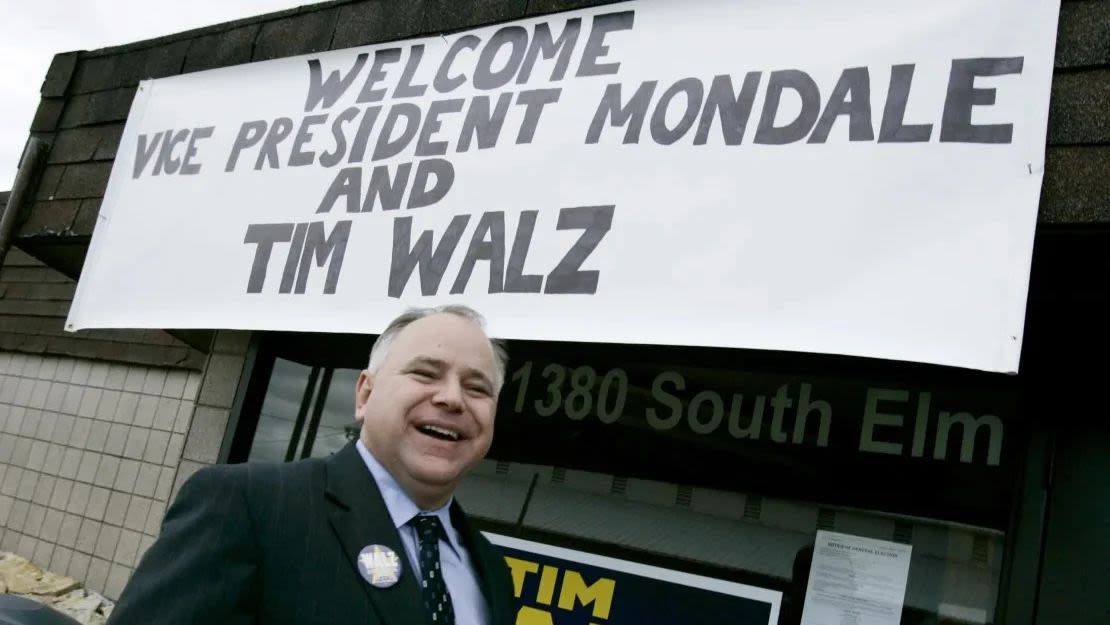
401	507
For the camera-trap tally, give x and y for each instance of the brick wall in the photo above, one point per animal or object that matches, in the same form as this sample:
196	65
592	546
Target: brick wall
210	428
89	452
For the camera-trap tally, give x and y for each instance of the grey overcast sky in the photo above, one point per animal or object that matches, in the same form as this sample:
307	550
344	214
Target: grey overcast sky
33	31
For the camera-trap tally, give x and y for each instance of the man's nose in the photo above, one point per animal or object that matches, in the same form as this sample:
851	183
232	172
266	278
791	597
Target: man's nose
449	395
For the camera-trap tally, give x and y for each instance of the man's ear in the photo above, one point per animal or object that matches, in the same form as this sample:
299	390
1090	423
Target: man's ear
362	392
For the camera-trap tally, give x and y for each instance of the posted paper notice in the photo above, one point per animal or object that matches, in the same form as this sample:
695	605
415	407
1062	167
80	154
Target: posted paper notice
856	581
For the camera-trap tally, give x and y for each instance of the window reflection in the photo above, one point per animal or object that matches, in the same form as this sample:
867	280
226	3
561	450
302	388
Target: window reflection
337	418
954	572
287	391
307	412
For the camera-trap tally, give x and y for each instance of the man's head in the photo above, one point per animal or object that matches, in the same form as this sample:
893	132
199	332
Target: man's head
428	397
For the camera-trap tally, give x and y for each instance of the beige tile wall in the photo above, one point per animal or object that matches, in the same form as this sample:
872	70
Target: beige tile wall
89	455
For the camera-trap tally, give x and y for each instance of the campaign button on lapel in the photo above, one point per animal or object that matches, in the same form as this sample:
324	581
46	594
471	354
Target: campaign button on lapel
379	565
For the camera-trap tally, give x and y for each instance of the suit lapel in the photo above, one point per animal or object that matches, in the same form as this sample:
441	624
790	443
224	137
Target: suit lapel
487	561
359	518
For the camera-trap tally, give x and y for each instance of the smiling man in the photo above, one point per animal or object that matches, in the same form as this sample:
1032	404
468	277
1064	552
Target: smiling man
427	400
369	535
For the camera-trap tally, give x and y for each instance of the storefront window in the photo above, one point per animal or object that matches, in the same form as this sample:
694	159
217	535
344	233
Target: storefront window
307	413
765	541
699	461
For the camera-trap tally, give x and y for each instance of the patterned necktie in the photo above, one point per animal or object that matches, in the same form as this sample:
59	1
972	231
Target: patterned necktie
436	598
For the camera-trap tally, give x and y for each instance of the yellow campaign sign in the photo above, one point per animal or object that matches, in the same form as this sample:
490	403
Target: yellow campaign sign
574	591
557	586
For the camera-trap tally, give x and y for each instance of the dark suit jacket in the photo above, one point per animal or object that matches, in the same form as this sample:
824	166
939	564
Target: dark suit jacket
277	545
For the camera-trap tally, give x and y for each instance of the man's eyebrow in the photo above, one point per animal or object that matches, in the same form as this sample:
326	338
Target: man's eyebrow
440	365
427	360
468	371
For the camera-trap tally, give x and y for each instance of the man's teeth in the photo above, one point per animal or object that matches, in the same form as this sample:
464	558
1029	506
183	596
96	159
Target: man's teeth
441	432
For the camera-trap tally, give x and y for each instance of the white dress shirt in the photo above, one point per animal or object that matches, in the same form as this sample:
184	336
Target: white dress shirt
458	572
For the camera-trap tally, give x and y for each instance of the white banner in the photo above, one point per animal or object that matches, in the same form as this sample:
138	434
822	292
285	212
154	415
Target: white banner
857	178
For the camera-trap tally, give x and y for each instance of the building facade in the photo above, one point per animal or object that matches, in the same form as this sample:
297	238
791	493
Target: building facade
1000	483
